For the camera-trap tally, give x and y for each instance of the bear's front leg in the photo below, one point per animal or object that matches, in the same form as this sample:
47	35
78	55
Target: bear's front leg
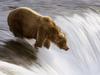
47	43
41	35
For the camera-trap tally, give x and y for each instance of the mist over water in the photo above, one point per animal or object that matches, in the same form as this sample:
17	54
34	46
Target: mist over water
80	20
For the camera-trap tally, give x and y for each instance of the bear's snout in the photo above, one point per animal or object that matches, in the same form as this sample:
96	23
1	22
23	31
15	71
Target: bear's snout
67	49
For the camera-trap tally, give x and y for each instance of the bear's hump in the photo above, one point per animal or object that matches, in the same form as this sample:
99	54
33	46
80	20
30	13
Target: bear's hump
26	9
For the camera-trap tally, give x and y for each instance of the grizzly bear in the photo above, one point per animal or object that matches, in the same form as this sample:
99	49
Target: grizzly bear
27	23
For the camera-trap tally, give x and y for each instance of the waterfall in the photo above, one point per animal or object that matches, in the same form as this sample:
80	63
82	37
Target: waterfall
82	29
83	34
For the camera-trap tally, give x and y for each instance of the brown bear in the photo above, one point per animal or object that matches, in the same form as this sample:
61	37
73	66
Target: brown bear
27	23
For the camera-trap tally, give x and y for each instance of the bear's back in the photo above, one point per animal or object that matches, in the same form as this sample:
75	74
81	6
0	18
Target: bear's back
22	20
24	15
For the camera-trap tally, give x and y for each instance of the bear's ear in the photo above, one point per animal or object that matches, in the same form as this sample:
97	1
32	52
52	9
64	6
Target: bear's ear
62	34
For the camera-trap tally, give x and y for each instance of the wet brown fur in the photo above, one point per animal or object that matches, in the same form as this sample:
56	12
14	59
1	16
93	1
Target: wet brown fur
25	22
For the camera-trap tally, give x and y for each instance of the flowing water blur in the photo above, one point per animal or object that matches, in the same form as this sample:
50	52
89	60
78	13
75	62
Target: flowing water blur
80	20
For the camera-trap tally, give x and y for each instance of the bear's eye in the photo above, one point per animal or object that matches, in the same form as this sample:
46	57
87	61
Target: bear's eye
61	39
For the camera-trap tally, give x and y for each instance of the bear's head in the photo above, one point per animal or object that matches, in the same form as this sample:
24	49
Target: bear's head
55	34
61	41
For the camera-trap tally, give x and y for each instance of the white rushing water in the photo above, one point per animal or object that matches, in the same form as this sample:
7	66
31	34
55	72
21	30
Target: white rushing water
82	29
83	34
